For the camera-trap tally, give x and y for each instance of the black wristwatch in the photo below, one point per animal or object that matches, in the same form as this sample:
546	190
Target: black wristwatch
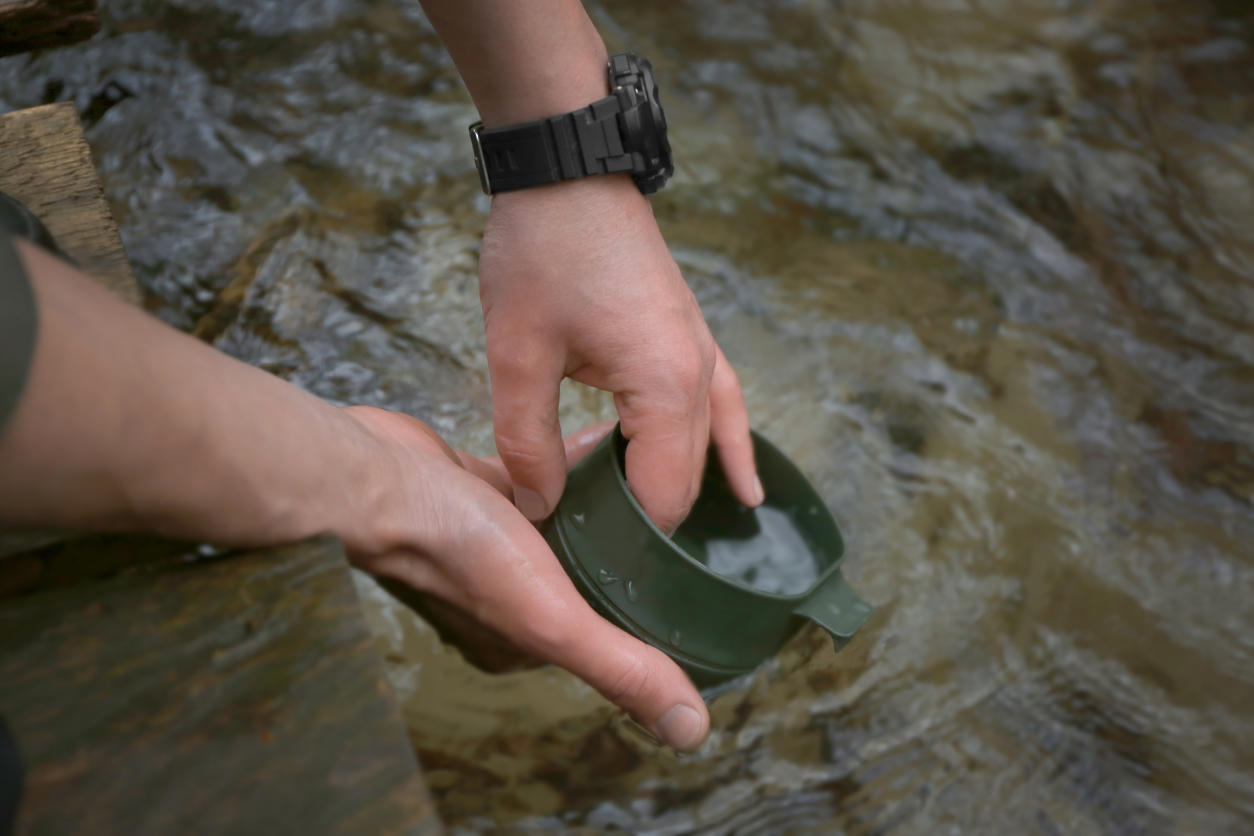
624	132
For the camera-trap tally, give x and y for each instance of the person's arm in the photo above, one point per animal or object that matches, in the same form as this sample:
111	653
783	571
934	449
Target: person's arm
128	424
576	281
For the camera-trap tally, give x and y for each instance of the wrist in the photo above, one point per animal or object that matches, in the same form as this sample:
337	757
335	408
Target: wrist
558	66
587	200
368	478
315	471
546	90
605	212
394	475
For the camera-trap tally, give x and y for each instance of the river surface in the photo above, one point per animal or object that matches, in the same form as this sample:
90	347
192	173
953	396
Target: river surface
986	269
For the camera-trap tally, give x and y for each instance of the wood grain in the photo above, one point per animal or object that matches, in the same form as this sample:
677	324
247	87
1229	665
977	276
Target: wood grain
39	24
242	696
46	164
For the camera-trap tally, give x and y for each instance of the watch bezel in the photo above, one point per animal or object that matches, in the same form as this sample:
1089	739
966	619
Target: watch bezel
650	141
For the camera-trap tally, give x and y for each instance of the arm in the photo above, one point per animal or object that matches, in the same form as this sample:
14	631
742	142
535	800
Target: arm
577	282
128	424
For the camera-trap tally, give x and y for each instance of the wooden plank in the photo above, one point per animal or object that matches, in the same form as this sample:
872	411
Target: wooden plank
240	696
39	24
46	164
61	558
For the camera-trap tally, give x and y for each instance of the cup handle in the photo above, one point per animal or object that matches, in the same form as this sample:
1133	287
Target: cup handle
836	608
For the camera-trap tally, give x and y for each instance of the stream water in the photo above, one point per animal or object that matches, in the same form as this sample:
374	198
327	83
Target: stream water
986	269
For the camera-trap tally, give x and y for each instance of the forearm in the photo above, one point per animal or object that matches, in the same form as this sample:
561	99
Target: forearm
126	423
522	61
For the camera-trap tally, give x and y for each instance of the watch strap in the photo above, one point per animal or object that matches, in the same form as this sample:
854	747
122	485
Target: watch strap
585	142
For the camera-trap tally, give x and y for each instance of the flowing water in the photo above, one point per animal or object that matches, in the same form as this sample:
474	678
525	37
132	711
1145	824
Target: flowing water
986	269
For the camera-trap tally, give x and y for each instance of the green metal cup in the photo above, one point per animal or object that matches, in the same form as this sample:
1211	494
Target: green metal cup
731	587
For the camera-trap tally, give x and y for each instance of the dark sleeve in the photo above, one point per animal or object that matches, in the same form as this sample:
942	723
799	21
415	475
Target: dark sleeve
18	324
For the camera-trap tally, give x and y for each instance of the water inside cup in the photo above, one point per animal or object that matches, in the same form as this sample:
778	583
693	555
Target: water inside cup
764	548
768	548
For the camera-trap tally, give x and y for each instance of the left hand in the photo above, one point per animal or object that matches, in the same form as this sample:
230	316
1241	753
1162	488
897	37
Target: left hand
439	529
127	424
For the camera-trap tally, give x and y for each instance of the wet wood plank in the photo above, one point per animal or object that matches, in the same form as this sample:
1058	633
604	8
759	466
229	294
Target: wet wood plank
35	561
38	24
241	695
46	164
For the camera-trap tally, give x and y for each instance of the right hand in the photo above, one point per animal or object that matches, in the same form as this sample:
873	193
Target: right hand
576	281
446	525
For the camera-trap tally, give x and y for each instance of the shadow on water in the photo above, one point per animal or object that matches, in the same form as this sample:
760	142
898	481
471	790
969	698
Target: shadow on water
986	268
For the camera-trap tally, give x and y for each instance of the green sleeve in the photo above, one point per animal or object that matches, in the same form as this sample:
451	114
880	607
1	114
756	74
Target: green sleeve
18	324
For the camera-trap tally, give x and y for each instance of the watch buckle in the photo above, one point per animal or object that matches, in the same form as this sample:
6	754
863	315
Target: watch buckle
478	149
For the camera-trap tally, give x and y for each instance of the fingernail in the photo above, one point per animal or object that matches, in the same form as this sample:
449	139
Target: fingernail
758	491
530	504
680	728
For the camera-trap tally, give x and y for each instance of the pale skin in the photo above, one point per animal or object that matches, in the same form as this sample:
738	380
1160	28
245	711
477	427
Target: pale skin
576	281
127	424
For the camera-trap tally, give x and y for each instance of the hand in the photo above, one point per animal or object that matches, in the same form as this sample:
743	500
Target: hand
576	281
127	424
445	526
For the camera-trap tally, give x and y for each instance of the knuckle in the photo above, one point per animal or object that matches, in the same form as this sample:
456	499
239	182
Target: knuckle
709	353
726	382
690	370
725	391
520	347
631	684
507	361
521	447
672	512
526	440
694	490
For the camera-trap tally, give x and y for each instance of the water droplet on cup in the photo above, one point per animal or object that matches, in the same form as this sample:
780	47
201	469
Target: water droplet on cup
677	638
633	594
578	518
607	577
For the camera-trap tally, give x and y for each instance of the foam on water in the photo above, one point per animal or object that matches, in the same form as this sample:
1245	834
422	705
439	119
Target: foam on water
774	558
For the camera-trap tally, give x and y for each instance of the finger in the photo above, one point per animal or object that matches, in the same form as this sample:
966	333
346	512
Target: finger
667	426
489	470
507	577
525	381
729	433
632	675
498	467
578	445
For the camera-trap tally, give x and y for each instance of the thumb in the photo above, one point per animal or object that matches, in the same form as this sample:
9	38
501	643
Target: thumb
506	576
553	622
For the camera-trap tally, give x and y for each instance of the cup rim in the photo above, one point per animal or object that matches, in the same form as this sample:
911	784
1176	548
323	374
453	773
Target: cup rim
822	577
